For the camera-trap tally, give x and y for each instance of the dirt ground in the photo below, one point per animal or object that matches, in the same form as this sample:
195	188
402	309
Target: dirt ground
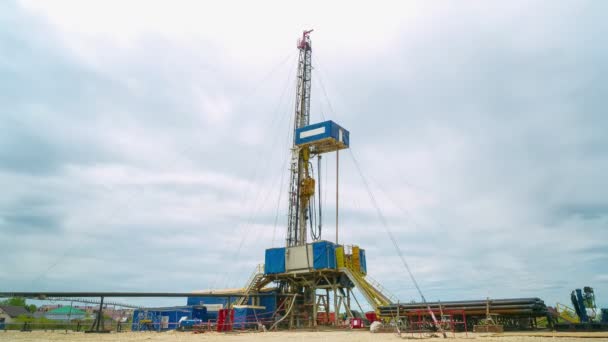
339	336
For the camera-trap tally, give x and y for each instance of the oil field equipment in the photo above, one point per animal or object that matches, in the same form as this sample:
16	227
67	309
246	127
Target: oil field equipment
308	282
308	275
583	315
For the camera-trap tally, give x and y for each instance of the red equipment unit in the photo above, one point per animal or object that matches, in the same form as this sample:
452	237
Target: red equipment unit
356	323
225	322
323	318
371	316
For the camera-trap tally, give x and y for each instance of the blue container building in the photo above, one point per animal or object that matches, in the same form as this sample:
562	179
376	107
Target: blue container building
268	300
324	255
325	136
167	318
274	261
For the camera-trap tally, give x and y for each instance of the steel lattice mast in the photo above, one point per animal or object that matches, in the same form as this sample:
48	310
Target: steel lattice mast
301	184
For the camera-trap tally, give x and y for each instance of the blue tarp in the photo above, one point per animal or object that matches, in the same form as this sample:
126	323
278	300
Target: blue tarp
324	255
249	317
240	317
275	261
270	304
362	261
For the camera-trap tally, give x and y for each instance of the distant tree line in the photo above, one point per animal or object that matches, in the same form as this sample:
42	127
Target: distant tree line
19	301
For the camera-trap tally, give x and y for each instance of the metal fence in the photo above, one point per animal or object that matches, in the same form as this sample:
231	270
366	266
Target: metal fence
64	326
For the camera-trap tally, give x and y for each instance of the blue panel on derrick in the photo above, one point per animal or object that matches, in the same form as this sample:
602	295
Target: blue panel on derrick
362	261
324	255
274	261
321	131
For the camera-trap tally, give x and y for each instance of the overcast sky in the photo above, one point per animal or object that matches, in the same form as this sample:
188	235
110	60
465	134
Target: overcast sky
143	144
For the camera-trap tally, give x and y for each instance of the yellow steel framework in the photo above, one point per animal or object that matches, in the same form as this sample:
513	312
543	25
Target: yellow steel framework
373	292
567	313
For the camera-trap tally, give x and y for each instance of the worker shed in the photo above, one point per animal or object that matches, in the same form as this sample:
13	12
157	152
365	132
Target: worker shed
212	304
267	298
167	318
9	314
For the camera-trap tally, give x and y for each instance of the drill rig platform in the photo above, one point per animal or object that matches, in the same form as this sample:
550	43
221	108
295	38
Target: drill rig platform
317	276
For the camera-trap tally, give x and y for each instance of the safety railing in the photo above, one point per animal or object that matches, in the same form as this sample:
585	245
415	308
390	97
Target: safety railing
382	296
76	326
373	297
567	313
252	282
381	289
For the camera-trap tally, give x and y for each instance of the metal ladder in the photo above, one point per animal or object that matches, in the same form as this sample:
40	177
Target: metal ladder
252	284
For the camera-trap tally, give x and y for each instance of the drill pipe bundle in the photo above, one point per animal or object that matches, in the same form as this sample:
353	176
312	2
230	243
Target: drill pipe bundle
513	307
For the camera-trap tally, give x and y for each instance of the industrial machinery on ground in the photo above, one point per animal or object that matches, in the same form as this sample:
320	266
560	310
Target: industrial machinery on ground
583	315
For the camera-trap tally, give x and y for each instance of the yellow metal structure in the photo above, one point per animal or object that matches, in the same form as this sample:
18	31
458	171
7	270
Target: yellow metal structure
340	257
307	184
355	258
373	292
567	313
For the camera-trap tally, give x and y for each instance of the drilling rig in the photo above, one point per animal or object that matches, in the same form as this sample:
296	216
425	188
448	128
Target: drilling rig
317	276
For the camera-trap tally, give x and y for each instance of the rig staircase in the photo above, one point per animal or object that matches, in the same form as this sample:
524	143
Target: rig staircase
373	292
255	282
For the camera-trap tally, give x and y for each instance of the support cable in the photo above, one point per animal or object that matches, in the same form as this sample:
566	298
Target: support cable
278	119
394	240
286	158
138	191
331	108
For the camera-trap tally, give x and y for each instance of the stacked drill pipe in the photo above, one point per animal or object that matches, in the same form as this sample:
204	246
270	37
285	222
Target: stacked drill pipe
530	307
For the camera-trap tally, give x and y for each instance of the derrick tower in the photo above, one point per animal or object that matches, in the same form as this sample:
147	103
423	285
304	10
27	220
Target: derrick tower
313	281
302	185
